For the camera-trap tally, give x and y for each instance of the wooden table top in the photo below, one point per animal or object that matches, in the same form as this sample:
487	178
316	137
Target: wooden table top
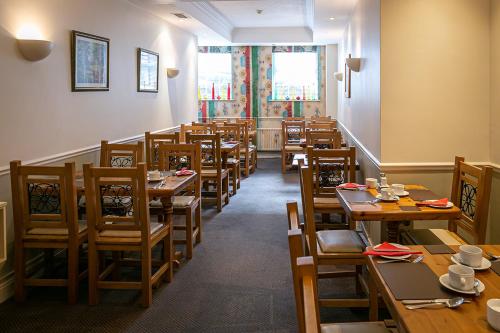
391	211
228	147
469	317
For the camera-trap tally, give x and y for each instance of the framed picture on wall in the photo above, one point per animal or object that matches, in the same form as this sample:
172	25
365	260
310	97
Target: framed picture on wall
147	71
347	80
89	62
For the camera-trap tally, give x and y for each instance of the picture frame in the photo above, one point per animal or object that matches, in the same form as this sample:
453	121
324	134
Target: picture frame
147	70
89	62
347	80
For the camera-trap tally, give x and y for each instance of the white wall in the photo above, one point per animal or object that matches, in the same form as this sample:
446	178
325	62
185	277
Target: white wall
360	114
331	96
38	107
41	117
495	82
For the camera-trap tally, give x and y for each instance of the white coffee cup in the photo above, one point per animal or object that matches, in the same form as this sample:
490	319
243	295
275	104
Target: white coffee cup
398	189
471	255
387	193
493	313
461	277
371	182
154	175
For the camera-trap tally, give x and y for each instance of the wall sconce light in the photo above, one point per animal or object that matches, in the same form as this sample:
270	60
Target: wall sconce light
172	72
34	49
339	76
353	63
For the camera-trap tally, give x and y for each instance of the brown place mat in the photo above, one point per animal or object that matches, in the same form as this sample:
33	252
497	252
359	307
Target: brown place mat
439	249
350	195
410	208
423	237
412	281
422	195
495	266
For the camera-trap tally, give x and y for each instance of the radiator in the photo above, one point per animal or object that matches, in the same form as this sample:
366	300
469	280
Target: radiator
269	139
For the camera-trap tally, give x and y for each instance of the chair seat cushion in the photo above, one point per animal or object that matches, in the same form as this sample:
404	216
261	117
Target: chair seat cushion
293	148
244	150
326	202
82	226
339	241
232	161
364	327
154	227
182	201
211	172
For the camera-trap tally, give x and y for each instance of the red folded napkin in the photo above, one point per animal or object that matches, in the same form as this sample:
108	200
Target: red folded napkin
351	186
439	203
390	254
388	247
184	172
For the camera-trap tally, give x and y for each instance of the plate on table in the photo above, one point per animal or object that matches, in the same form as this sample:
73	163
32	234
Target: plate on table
402	247
392	199
448	205
404	194
152	180
485	263
445	282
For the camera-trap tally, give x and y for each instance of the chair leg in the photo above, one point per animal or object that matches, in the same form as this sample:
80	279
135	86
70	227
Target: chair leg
116	260
373	291
239	175
93	274
226	189
359	272
73	273
283	161
189	233
168	254
219	195
235	180
197	219
20	273
147	287
247	165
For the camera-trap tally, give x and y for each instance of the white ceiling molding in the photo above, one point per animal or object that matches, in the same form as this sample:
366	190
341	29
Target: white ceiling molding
309	13
261	36
207	14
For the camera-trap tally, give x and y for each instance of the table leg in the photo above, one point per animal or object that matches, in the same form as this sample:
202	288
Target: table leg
393	231
168	251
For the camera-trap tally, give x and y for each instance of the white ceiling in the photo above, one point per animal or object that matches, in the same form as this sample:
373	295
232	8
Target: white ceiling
233	22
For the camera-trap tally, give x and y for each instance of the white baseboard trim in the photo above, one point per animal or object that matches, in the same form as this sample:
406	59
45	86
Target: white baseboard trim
4	170
410	167
7	281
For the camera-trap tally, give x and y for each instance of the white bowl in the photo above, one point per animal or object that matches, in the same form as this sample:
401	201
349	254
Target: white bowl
493	313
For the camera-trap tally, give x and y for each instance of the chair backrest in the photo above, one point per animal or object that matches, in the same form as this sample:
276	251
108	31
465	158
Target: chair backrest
230	132
327	126
152	143
330	168
296	251
251	123
306	187
44	197
292	131
471	193
121	155
117	199
322	118
195	129
211	157
295	119
324	139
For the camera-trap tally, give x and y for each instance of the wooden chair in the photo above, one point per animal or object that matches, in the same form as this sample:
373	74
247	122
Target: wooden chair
120	155
470	192
333	248
328	126
46	217
152	143
307	305
232	132
324	139
248	156
330	168
321	118
130	232
174	157
295	119
212	172
194	129
252	128
292	132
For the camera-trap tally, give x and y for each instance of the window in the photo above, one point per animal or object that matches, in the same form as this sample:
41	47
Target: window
214	76
295	76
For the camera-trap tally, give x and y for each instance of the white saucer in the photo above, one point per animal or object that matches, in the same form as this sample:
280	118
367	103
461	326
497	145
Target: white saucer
402	247
155	179
448	205
485	263
393	199
406	256
443	279
404	194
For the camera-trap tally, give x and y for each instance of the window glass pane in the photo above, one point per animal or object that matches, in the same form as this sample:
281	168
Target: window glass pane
295	76
214	69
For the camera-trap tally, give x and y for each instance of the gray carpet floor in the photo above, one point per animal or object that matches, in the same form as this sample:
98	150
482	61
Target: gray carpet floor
239	279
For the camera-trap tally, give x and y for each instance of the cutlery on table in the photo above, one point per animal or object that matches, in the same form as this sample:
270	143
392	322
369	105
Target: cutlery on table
476	289
432	301
492	256
413	261
371	202
450	303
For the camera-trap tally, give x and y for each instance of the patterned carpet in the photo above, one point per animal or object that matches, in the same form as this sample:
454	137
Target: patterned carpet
239	279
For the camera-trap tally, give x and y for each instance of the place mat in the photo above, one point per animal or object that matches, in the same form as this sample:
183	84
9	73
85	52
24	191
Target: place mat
410	208
439	249
495	266
350	195
424	237
412	281
422	195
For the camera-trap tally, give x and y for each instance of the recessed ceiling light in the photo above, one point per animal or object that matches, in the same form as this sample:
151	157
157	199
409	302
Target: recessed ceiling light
332	18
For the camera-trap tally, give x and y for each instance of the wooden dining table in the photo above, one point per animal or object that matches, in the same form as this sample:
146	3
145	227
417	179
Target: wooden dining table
393	212
469	317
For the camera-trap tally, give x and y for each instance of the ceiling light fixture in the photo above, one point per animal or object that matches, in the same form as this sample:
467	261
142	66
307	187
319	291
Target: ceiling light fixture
332	18
259	11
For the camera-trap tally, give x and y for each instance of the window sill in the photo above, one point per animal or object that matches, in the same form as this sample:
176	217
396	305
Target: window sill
217	100
295	100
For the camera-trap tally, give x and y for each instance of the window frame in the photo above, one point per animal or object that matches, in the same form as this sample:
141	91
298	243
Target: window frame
216	51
